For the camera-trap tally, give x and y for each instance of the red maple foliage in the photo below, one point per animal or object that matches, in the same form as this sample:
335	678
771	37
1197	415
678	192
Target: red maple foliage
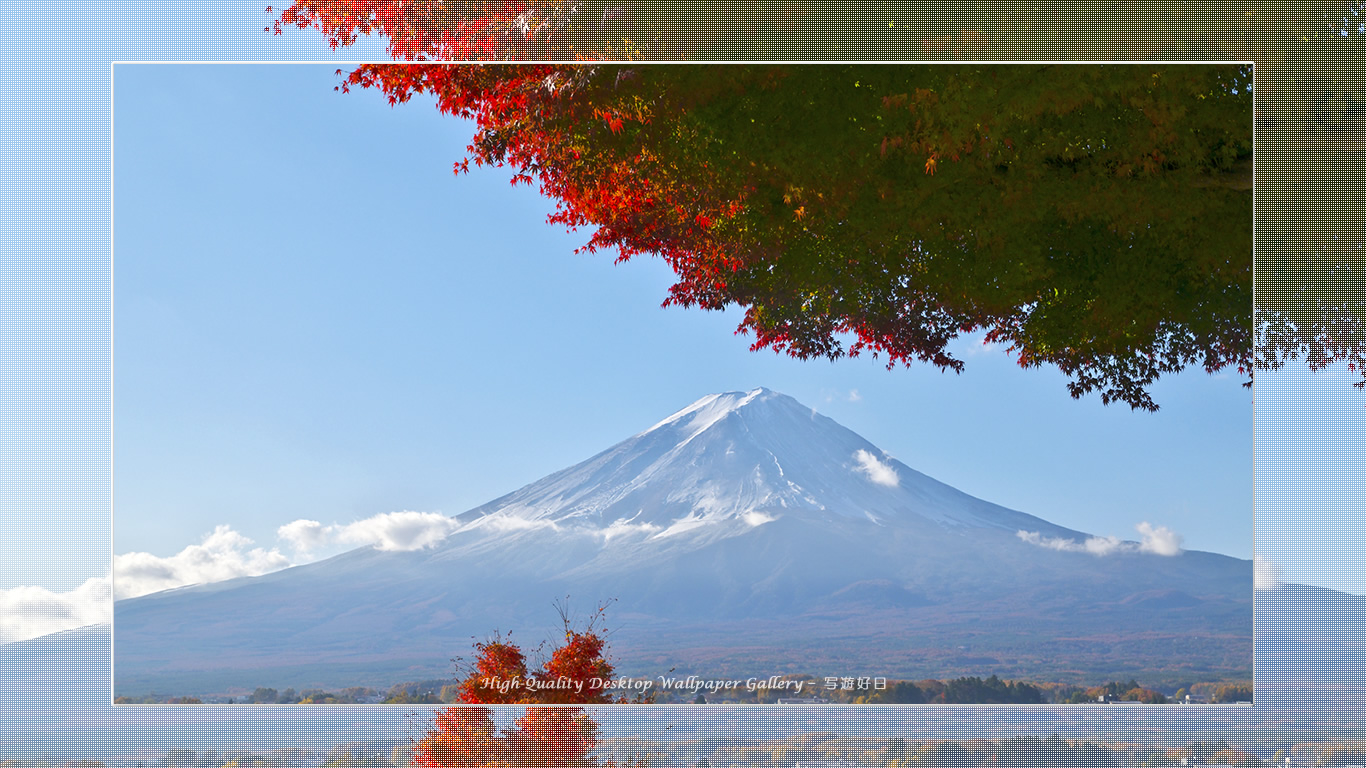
544	30
577	672
465	736
499	675
580	659
469	30
544	737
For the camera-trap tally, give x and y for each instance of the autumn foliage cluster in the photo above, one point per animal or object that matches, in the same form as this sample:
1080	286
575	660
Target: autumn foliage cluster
544	30
572	675
545	737
574	672
427	29
1096	219
1118	691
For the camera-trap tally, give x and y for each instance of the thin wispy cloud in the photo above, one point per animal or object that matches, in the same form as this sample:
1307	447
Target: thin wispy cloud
503	522
221	555
875	469
1157	540
1047	542
832	395
27	612
975	345
620	528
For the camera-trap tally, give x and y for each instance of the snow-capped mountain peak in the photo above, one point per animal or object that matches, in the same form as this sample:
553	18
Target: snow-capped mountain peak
738	458
696	418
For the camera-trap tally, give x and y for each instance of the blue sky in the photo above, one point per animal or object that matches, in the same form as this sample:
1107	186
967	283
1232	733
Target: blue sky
314	318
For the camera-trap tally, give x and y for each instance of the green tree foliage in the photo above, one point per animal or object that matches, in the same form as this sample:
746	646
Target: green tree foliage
898	692
993	690
411	693
1233	692
1031	751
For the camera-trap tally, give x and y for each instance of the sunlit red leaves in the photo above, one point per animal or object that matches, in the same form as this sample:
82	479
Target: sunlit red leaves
580	659
542	30
498	677
576	672
612	119
425	29
544	737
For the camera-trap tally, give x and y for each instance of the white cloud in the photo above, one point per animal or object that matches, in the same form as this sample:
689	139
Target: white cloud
854	396
876	470
27	612
625	527
1062	545
400	531
505	522
756	519
1265	574
1159	540
391	531
1101	546
223	554
305	535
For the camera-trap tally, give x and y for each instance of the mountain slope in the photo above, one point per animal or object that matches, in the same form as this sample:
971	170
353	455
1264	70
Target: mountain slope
745	534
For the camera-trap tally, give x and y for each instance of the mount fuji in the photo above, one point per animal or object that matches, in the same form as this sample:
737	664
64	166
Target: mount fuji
743	535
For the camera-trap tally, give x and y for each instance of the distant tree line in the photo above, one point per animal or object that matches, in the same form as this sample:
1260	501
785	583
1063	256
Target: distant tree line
961	690
420	692
571	735
1117	691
